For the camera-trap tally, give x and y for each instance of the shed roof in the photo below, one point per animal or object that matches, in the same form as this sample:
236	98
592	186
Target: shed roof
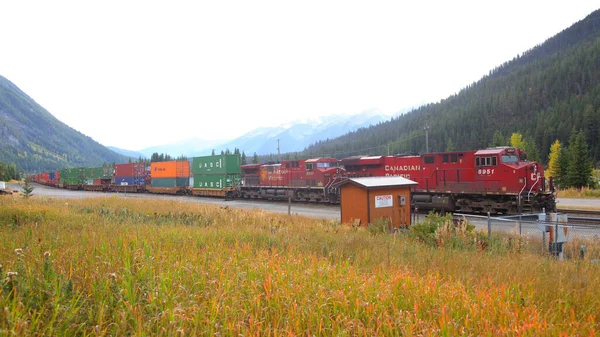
371	182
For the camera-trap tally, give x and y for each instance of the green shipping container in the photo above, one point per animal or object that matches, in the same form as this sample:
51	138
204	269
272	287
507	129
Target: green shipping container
170	182
221	164
72	176
217	181
104	172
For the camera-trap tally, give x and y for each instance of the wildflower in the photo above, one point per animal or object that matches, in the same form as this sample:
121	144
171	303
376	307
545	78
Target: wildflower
46	255
112	276
10	275
19	251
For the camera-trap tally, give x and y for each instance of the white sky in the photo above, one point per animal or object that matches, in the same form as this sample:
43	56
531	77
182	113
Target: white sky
133	74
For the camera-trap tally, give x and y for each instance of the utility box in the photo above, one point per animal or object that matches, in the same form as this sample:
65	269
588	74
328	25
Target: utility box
366	200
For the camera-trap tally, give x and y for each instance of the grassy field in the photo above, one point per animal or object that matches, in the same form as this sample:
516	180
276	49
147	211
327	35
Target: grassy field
114	267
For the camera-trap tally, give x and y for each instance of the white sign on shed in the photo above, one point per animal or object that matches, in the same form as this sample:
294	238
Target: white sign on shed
384	201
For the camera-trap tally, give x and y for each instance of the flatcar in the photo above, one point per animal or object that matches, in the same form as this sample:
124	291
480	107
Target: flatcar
496	180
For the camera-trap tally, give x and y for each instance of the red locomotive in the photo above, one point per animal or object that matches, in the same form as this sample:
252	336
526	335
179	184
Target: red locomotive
301	180
497	180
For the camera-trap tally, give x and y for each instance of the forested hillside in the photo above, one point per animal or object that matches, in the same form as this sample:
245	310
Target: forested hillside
545	94
36	141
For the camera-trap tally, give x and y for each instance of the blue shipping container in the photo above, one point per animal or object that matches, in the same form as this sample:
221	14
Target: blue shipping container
52	175
130	181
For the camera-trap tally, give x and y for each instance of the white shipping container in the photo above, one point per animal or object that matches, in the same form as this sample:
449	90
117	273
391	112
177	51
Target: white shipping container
2	185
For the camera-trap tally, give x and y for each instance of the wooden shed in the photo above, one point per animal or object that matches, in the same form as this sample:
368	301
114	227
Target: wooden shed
366	200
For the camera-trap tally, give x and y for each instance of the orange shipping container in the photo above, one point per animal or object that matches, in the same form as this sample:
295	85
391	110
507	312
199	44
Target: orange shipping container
170	169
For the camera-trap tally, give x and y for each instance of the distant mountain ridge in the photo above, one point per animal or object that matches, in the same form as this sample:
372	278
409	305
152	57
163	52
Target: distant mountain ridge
36	141
293	137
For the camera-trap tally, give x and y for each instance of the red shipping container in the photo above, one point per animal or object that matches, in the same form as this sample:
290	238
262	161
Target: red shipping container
97	181
130	170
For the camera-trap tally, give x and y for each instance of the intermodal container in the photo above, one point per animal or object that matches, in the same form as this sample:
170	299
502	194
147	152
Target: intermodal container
72	176
169	182
103	172
220	164
52	176
170	169
44	177
216	180
130	170
130	180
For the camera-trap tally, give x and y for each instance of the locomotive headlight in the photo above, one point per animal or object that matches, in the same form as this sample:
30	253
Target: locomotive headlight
520	180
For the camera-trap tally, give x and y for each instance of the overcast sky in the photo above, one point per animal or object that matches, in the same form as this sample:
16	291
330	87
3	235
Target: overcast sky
133	74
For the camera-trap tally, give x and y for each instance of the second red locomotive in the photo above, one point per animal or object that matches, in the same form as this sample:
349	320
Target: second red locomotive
496	180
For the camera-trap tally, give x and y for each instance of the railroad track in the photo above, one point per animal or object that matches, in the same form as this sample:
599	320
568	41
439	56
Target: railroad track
582	217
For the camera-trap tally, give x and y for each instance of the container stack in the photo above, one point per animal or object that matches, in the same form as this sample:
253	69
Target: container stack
130	174
216	172
98	175
170	174
72	176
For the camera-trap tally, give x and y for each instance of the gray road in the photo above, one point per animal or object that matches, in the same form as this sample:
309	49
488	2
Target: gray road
314	211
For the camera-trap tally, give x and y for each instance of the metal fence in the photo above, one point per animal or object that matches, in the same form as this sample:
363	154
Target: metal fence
553	234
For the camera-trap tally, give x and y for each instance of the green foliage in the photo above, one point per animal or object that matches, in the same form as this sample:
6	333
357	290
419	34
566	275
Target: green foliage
544	93
9	172
443	231
498	139
450	145
561	169
35	141
164	157
379	226
27	188
580	168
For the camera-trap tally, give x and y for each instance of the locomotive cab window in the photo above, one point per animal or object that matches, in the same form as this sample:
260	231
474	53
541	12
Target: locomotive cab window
485	161
310	166
451	158
428	159
510	158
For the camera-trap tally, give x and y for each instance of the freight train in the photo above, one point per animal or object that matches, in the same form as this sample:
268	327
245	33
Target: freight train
496	180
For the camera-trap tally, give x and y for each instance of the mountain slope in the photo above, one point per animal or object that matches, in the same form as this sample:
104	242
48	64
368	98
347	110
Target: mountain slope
296	136
544	94
293	137
36	141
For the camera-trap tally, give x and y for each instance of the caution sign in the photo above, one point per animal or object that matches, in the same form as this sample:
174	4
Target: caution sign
384	201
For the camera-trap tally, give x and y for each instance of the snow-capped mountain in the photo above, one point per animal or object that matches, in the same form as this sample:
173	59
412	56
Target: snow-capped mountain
298	135
294	136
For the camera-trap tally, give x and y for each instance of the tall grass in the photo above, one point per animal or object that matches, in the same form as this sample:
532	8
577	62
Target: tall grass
585	193
113	267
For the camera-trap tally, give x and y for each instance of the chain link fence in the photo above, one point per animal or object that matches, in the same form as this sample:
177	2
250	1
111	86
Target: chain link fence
552	234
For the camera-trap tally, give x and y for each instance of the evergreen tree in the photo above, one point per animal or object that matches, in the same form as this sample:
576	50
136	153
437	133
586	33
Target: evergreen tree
244	160
553	159
579	173
213	152
531	149
498	139
561	168
27	189
449	145
255	158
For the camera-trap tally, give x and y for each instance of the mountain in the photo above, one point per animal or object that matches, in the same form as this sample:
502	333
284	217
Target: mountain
127	153
293	137
188	147
547	93
36	141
